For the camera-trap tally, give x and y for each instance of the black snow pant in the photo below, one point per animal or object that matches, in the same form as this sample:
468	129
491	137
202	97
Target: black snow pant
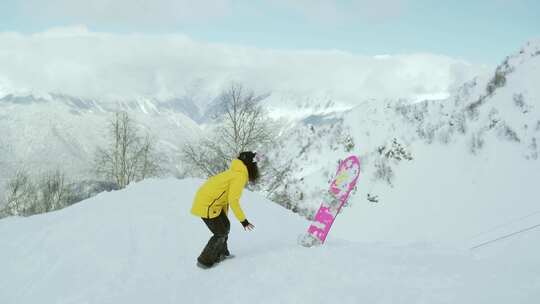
216	247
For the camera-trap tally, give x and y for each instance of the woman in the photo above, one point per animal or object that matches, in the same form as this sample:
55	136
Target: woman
212	204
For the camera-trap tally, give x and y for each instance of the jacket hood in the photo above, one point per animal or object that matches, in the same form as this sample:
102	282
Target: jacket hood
238	166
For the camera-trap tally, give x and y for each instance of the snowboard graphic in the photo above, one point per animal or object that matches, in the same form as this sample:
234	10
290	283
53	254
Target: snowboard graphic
340	188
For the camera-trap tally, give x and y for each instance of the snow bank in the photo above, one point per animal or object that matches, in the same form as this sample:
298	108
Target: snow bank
139	245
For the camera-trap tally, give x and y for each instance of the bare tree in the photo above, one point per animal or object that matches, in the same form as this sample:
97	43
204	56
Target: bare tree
26	197
148	159
205	156
129	157
21	196
53	192
242	125
4	212
245	125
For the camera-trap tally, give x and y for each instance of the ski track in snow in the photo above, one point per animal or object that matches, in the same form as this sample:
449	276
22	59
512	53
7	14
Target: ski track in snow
139	245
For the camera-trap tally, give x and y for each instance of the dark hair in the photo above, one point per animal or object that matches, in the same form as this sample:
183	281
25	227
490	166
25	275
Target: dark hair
253	170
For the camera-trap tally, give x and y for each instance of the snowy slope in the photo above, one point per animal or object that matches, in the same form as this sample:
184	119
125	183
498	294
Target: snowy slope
471	178
474	161
139	245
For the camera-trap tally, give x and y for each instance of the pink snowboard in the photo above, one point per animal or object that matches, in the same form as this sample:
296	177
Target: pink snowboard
338	194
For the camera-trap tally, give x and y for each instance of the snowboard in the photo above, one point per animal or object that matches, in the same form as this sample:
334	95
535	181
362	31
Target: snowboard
202	266
340	189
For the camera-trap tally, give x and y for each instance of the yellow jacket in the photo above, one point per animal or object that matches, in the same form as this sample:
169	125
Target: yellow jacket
220	191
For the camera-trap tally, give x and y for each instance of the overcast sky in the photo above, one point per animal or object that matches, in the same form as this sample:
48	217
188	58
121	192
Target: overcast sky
480	31
158	47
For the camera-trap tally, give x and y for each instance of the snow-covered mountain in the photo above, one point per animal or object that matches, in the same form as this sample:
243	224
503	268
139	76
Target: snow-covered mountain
438	178
63	131
469	157
59	131
140	244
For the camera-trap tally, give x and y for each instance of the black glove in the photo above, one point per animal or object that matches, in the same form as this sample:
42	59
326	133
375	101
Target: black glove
247	225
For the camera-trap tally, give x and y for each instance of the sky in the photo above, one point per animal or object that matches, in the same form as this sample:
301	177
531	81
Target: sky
479	31
142	47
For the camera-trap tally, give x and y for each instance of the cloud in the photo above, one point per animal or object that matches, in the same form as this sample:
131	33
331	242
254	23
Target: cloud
144	13
79	62
340	11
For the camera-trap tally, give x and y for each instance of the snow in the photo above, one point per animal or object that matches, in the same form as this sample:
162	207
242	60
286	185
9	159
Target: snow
446	182
478	192
415	245
432	96
139	245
